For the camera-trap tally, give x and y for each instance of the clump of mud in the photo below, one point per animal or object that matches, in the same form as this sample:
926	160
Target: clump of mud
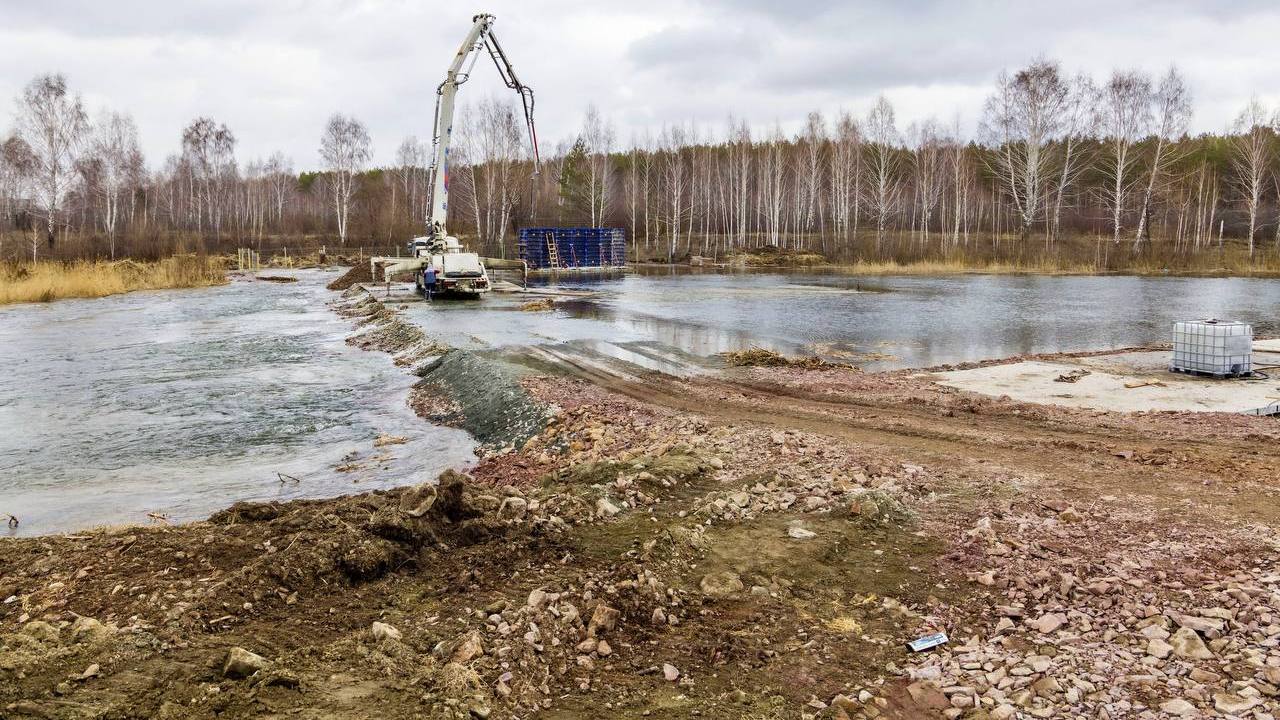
539	305
759	357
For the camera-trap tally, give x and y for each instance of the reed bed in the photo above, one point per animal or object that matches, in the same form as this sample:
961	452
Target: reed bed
47	281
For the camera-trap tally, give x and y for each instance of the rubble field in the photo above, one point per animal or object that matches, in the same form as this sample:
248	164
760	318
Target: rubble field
759	544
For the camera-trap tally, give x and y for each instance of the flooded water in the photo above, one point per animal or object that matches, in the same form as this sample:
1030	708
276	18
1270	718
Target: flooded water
182	402
878	322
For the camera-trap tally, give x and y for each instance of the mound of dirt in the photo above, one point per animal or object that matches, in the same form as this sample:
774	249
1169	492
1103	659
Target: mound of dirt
357	274
759	357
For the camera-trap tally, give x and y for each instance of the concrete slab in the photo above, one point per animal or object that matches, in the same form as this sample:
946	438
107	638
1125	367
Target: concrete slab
1151	387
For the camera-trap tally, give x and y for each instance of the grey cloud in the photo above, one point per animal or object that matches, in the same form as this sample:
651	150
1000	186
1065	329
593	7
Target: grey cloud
275	69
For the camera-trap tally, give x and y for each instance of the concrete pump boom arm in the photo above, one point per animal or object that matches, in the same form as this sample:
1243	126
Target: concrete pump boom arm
481	36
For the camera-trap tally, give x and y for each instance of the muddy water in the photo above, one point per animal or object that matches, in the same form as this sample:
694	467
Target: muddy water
182	402
878	322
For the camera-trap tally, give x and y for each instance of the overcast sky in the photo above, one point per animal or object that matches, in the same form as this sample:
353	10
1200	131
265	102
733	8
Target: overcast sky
274	70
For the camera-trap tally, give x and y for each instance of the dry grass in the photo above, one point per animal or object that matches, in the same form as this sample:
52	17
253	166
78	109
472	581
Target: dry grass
48	281
952	266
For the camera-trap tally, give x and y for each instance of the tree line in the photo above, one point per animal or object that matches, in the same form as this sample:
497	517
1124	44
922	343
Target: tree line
1061	165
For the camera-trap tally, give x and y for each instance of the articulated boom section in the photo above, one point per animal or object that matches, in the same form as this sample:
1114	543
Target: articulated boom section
437	260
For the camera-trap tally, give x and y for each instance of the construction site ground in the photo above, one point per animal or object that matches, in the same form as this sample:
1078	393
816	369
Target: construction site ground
756	543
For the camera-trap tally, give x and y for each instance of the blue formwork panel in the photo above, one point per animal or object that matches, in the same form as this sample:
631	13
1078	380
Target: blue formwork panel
575	247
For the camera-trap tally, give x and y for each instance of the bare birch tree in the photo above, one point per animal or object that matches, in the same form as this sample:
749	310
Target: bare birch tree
412	158
491	136
344	148
119	163
1125	113
927	167
882	186
1080	122
1020	121
846	152
1172	104
210	152
52	123
282	182
598	138
1252	151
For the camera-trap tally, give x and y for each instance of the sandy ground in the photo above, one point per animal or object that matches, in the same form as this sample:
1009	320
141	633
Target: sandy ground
1121	382
756	545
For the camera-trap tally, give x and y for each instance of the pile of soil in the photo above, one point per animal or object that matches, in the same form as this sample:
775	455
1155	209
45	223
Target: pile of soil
759	357
359	273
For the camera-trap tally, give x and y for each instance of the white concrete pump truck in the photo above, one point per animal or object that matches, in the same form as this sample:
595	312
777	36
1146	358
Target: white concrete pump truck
438	261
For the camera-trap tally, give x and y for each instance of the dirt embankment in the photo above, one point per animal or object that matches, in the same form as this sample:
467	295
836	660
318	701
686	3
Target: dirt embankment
755	546
466	389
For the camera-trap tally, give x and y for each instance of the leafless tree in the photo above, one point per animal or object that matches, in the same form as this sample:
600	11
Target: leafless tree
672	142
882	187
411	170
209	150
1172	105
958	166
771	186
492	141
1079	123
812	170
118	163
1020	121
282	181
52	123
598	137
1252	152
17	166
927	159
344	148
1125	113
739	173
846	152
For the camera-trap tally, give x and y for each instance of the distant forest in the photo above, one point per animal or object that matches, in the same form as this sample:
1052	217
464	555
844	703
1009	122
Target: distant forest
1061	169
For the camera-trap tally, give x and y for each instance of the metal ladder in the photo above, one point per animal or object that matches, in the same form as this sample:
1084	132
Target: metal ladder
553	253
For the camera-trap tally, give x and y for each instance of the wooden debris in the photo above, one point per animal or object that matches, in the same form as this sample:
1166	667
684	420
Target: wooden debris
1074	375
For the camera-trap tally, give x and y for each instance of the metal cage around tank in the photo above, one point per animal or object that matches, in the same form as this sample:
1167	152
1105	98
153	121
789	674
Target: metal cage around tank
569	248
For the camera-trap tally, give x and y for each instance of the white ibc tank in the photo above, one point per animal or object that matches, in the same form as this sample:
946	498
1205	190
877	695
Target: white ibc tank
1212	347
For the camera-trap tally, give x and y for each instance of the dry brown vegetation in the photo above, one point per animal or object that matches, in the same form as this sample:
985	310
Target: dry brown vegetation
48	281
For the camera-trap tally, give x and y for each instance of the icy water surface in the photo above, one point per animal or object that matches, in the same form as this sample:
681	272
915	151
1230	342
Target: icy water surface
879	322
183	402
